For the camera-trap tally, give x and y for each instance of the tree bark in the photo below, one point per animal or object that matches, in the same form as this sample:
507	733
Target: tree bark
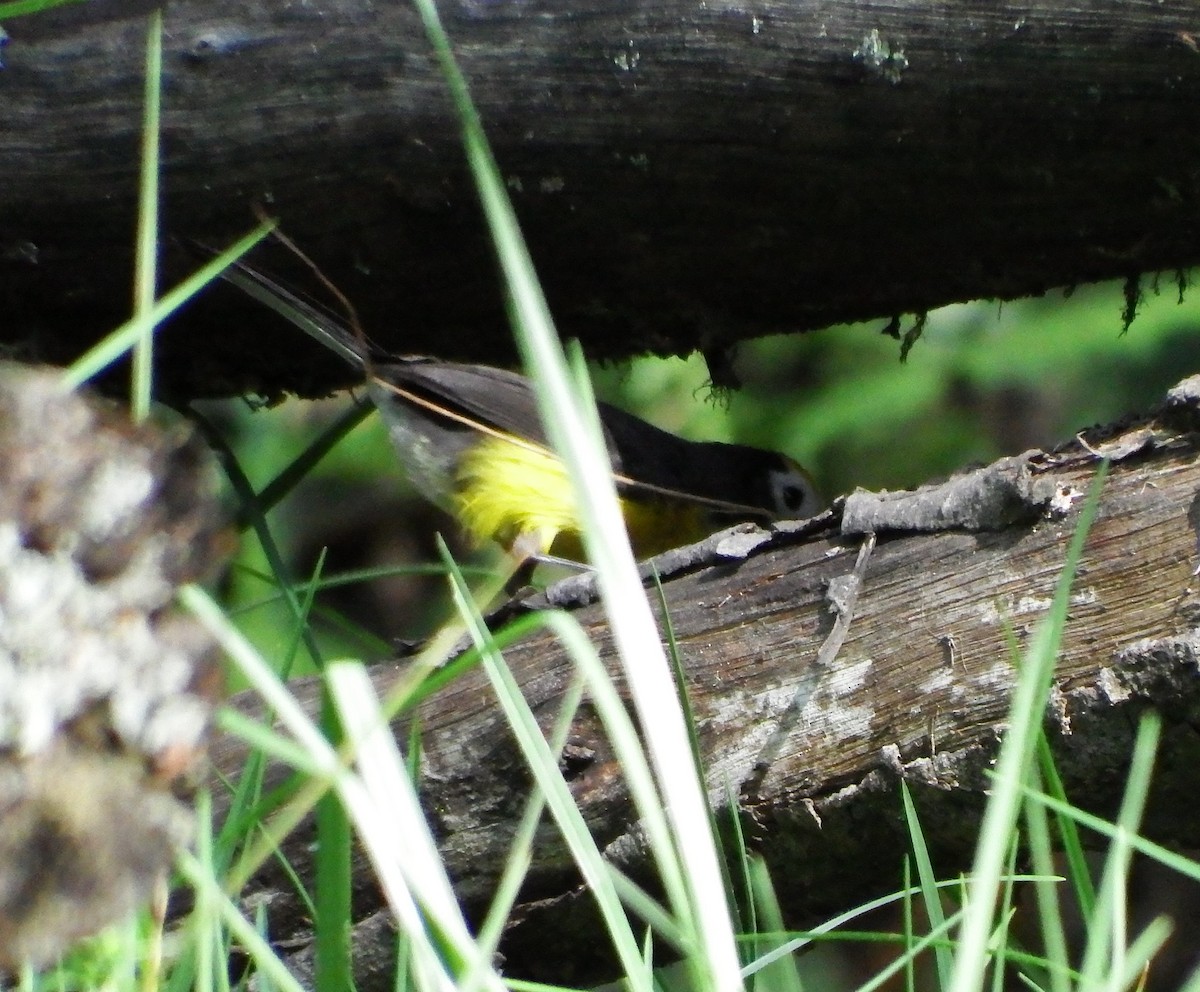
686	174
825	665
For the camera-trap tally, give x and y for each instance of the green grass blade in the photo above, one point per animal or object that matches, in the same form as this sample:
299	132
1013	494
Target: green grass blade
146	273
244	490
659	923
234	722
1163	855
19	8
1072	847
251	941
928	883
781	975
332	874
395	835
574	435
833	928
387	815
543	765
1138	958
296	471
902	961
1192	984
741	898
1002	936
520	852
1016	752
116	344
1047	895
204	928
1104	955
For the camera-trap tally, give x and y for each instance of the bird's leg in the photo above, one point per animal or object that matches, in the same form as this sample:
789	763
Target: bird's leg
529	550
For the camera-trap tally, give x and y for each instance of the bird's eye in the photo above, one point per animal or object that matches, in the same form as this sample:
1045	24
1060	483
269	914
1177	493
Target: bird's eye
793	496
792	493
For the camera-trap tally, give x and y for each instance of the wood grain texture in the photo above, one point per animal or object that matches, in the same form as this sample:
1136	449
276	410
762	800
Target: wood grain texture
813	745
686	174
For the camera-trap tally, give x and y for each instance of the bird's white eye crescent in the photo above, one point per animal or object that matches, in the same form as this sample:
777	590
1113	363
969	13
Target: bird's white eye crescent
793	494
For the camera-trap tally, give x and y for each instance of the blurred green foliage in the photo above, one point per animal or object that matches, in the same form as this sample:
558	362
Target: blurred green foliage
983	380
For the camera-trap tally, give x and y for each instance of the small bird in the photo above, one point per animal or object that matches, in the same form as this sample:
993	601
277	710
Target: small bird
471	441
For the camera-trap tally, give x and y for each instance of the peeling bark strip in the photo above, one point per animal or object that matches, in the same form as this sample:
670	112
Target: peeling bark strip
686	174
841	595
918	688
992	498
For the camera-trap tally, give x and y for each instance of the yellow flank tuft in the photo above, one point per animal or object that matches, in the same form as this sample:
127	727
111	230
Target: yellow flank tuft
509	492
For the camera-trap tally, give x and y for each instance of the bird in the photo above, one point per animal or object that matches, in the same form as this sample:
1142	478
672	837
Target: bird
471	441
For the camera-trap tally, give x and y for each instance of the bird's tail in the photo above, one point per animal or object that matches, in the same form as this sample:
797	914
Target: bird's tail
314	321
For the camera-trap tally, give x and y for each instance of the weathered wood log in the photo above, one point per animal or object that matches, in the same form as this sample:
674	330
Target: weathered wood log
686	174
826	665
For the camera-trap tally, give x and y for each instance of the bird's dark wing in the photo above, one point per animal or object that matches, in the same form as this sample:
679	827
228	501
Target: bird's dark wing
496	397
729	478
726	478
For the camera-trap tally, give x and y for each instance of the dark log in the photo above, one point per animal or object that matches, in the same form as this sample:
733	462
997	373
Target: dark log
687	174
821	675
